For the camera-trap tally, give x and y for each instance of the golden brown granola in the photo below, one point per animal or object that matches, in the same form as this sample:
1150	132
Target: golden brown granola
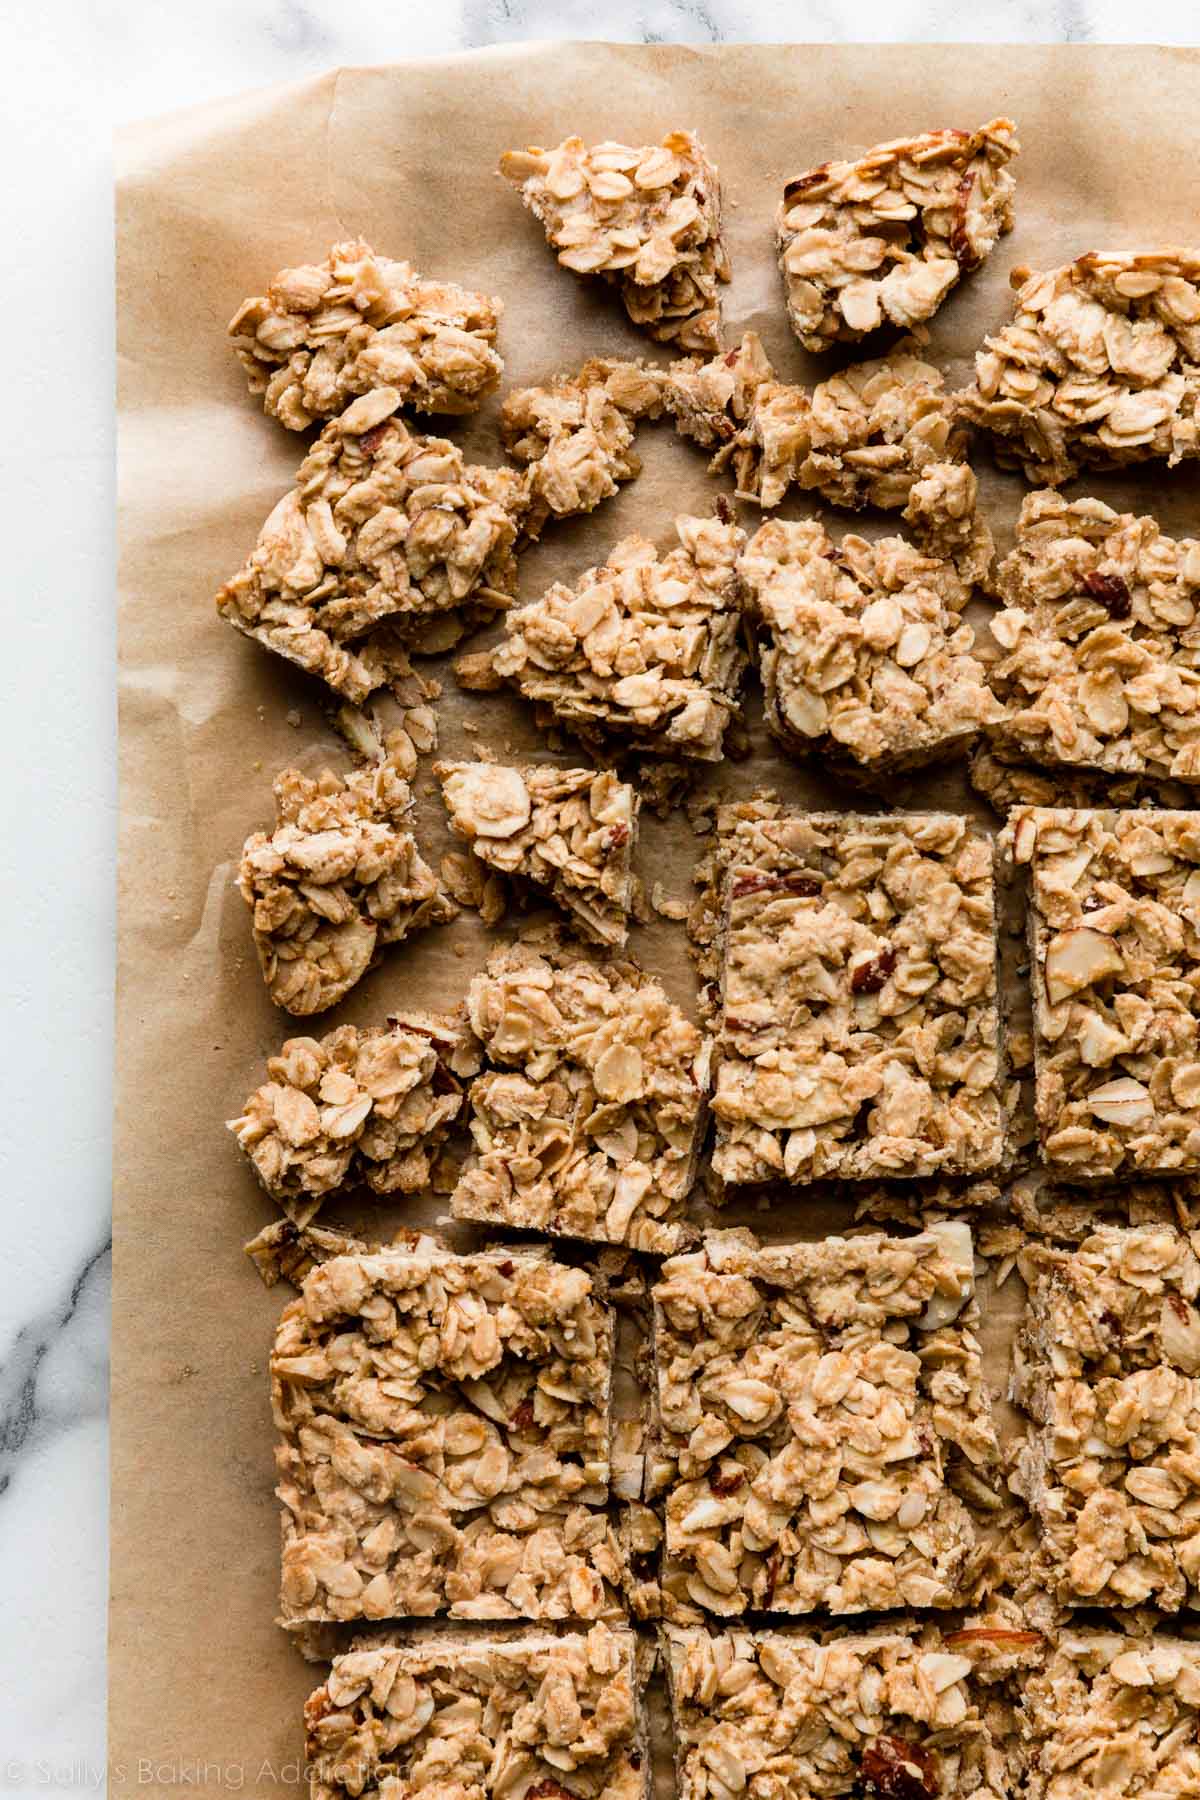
865	659
371	1104
860	1029
590	1118
813	1398
482	1719
445	1440
1100	366
1100	640
568	832
644	652
882	239
1114	918
284	1251
325	333
647	221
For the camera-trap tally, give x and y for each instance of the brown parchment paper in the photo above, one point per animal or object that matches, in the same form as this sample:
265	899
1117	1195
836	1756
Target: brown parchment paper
205	1691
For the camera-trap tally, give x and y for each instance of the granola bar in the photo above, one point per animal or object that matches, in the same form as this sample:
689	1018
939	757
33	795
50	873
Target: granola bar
644	652
859	1034
445	1440
1115	944
1100	665
646	221
384	533
590	1119
1106	1364
338	879
577	436
325	333
901	1711
1099	367
865	660
371	1104
569	832
480	1719
1005	782
1114	1716
881	240
815	1399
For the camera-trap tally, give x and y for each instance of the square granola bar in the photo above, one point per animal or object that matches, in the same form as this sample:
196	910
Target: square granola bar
860	1031
482	1719
1114	910
325	333
901	1711
1100	640
865	661
445	1440
817	1400
589	1120
338	880
1107	1364
1115	1716
567	832
882	239
644	652
646	221
1099	367
371	1104
384	535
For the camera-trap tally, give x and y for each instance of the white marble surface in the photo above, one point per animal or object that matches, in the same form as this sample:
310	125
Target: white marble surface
74	69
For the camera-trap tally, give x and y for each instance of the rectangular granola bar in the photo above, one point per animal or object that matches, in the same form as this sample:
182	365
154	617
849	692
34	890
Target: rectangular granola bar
371	1104
385	535
445	1440
865	661
568	832
644	652
1115	1716
590	1116
1114	911
817	1399
325	333
882	239
646	221
860	1031
1107	1365
482	1719
1099	367
901	1711
1100	639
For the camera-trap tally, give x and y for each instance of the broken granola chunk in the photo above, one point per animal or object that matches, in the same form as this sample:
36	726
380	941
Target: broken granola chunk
445	1440
1115	1716
384	533
590	1117
468	1719
646	221
282	1251
862	437
815	1399
325	333
1106	1364
865	660
896	1713
644	652
1099	367
1099	634
1115	944
859	1032
338	879
569	832
371	1104
577	436
881	240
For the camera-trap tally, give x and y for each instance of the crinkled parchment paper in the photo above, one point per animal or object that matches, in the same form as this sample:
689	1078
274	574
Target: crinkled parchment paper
206	1692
